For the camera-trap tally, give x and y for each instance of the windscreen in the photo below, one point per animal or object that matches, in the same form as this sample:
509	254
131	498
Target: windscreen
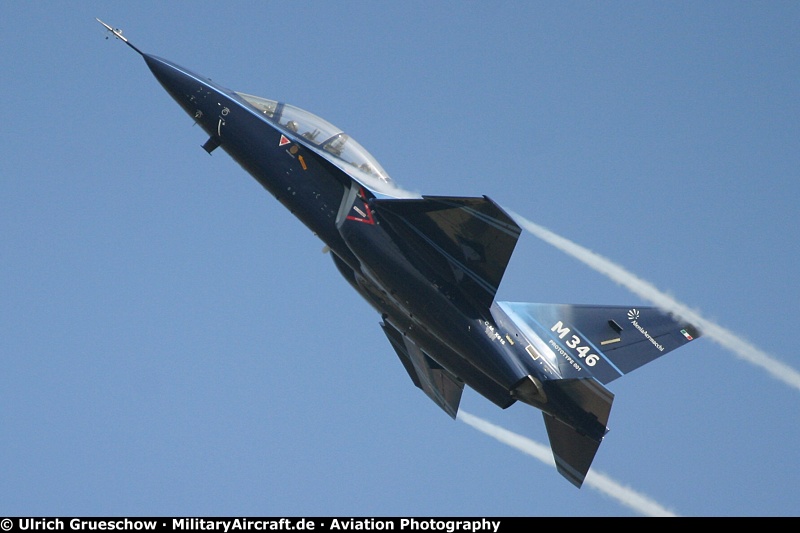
330	141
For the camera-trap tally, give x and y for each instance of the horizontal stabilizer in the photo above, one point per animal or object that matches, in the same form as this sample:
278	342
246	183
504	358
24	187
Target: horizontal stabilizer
604	342
440	385
466	241
573	449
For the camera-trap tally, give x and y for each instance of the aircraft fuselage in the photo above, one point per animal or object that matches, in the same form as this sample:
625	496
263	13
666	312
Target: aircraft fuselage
386	273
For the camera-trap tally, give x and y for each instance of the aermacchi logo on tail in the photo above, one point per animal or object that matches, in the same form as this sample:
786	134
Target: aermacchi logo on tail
633	316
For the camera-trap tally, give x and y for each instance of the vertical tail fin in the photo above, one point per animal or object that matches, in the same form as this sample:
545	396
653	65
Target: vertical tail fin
604	342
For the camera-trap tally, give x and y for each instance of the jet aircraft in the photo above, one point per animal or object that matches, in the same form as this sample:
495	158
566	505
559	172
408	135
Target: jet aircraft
431	266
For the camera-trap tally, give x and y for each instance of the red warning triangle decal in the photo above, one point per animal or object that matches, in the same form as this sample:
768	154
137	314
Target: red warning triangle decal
364	215
284	141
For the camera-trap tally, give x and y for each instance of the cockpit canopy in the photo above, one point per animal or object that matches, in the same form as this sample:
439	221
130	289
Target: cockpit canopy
335	145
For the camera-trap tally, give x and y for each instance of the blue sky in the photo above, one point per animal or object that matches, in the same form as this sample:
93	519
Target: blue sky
174	342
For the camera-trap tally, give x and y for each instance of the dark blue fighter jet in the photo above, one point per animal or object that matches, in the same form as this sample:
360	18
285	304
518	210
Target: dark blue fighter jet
431	266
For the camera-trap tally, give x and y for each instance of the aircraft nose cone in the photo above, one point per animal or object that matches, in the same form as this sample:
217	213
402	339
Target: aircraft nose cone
178	82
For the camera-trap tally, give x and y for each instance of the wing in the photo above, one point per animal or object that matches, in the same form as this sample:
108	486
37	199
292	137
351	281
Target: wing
440	385
466	241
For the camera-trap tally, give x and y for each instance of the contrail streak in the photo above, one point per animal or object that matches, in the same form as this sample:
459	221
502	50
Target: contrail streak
595	480
740	347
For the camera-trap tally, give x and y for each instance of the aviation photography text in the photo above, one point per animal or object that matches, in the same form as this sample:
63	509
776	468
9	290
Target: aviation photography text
226	525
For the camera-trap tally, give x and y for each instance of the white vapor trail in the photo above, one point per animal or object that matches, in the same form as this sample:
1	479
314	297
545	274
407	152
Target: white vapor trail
740	347
595	480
